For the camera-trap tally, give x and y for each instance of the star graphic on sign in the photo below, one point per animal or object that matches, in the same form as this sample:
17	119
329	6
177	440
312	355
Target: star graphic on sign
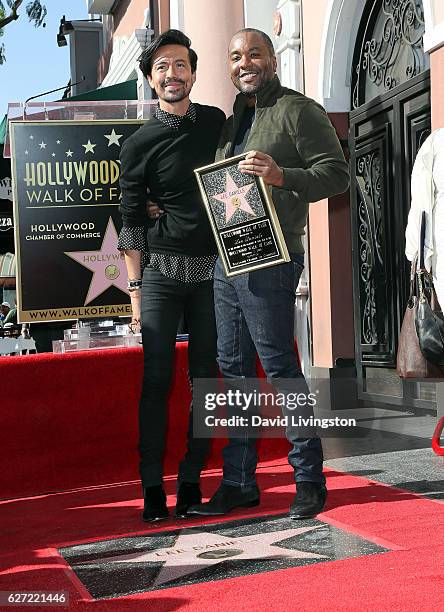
234	198
53	154
69	153
107	265
42	145
26	152
89	147
113	138
31	137
57	141
194	551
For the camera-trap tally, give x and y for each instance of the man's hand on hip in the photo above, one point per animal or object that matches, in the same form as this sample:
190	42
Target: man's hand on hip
153	210
262	165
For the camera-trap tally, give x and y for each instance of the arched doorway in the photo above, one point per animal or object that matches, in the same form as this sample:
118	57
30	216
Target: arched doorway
390	98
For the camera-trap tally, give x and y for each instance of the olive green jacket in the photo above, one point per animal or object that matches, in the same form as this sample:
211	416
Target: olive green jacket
297	133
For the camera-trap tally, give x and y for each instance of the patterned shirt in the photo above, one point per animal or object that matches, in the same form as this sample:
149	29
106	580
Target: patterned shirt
180	267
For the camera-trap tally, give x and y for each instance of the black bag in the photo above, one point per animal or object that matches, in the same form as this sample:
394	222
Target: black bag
411	362
429	319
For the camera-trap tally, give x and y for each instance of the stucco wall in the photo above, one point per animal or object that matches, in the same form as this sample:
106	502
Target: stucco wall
129	16
438	11
313	17
210	25
437	87
329	220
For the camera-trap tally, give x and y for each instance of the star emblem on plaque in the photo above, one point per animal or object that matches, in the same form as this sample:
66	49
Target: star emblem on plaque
234	200
243	217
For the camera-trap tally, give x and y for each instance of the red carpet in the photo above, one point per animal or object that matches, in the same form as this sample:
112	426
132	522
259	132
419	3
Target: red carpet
70	420
407	578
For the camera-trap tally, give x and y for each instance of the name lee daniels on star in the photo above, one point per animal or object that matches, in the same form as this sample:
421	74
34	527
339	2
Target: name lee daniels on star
60	182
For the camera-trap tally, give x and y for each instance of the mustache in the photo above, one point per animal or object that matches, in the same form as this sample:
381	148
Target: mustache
167	82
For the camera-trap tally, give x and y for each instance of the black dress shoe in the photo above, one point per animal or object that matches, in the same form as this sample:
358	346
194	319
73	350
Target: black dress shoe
309	500
188	494
225	499
154	508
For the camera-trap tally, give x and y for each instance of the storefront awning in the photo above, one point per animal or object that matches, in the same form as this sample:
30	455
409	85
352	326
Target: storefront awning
7	270
3	126
7	265
120	91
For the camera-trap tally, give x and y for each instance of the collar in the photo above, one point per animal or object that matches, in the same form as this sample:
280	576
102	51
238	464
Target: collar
175	120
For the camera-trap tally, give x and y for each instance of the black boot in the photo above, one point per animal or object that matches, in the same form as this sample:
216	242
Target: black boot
225	499
188	494
155	508
309	500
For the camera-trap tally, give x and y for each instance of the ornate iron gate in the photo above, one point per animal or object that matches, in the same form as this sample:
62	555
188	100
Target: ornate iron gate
390	120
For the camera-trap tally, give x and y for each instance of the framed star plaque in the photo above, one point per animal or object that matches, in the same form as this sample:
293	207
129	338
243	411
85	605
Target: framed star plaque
65	177
243	217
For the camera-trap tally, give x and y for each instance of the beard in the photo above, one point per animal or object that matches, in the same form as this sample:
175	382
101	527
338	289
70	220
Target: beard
263	76
250	89
173	96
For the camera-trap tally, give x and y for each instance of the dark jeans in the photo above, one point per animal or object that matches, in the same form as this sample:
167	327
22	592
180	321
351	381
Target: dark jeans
164	300
255	312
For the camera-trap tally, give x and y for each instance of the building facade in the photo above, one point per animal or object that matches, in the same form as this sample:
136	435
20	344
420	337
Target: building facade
377	66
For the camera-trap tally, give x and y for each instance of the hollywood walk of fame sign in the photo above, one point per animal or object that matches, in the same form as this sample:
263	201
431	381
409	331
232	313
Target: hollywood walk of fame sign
135	564
66	200
243	217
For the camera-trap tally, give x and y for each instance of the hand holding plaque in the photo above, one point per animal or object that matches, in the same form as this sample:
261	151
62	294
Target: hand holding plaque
242	216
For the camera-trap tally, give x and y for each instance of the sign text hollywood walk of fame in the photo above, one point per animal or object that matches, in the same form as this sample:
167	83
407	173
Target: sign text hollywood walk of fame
66	198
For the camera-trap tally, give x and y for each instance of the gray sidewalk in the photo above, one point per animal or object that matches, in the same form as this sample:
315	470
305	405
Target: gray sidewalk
396	451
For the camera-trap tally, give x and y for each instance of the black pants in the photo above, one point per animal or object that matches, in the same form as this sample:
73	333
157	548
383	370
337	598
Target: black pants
164	300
